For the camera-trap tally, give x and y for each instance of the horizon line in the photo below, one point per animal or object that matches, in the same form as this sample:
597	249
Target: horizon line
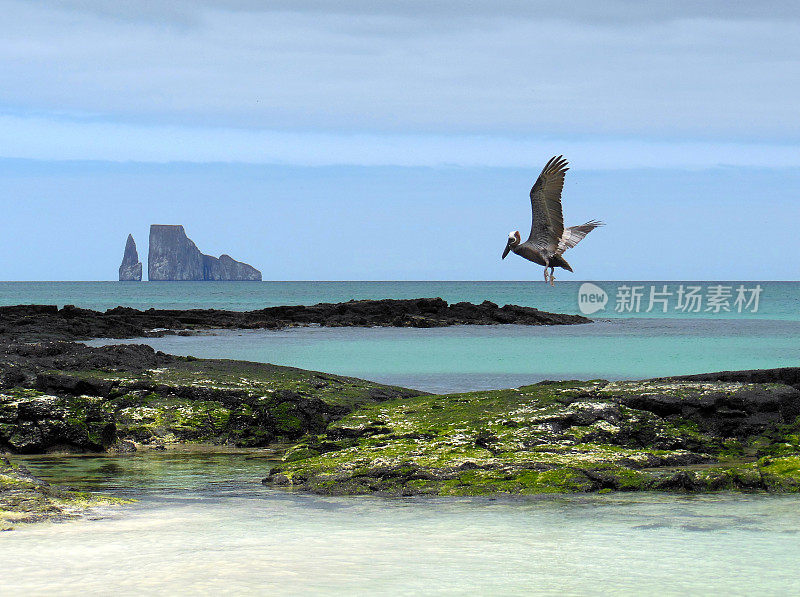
674	280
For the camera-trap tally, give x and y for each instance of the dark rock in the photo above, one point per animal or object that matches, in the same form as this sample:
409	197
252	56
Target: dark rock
731	410
173	256
485	439
277	479
19	362
27	437
47	322
785	375
53	382
131	268
227	268
678	481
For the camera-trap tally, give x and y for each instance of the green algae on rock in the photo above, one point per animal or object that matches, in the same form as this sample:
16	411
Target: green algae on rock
350	436
558	437
56	405
25	498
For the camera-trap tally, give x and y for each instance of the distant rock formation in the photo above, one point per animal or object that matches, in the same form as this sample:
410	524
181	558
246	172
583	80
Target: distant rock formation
173	256
227	268
131	268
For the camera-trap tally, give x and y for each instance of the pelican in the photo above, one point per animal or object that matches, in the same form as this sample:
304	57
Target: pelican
549	239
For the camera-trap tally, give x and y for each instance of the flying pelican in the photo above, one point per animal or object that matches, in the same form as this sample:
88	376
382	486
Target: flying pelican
549	239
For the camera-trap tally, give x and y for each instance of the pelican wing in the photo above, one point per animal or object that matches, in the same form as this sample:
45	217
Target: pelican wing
547	226
575	234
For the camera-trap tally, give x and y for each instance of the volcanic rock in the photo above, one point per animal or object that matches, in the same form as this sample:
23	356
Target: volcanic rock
173	256
131	268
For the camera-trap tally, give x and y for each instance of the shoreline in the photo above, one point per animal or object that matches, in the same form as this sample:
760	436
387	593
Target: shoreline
338	435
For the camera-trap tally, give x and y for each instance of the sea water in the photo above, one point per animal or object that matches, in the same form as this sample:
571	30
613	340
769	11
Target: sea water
778	300
619	345
204	524
464	358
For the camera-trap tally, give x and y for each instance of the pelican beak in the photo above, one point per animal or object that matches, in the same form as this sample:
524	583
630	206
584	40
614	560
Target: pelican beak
506	250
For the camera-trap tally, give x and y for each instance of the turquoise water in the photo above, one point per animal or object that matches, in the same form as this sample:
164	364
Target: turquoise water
617	345
779	300
226	534
464	358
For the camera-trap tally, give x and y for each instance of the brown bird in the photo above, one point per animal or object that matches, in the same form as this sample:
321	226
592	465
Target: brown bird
549	239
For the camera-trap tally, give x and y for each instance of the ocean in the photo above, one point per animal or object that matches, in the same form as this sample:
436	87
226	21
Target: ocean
618	345
778	300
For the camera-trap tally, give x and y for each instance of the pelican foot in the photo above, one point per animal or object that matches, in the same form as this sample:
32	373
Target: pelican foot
546	280
552	280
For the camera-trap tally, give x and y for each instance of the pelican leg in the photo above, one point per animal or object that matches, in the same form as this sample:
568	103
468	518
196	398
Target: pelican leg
552	276
545	275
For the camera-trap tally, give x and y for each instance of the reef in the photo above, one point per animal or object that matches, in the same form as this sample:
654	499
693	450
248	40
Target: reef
343	436
563	437
173	256
25	498
48	322
67	397
725	431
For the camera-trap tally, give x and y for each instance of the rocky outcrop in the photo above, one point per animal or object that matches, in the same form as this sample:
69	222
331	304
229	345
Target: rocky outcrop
173	256
563	437
227	268
131	268
47	322
786	375
350	436
67	397
738	408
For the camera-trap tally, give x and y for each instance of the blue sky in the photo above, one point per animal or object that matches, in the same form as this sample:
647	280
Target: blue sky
398	140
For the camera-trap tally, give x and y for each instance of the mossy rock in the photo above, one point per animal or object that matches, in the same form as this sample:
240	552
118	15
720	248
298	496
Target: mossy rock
565	437
187	401
781	474
25	498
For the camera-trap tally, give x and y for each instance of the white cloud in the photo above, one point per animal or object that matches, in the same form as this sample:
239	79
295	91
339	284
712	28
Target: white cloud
61	139
721	70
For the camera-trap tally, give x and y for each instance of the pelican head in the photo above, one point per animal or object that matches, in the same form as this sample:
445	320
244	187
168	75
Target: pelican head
513	240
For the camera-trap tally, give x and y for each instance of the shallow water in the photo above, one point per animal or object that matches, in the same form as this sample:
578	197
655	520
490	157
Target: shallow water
225	533
464	358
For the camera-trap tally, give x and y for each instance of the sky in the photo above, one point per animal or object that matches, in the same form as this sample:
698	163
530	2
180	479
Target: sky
398	140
